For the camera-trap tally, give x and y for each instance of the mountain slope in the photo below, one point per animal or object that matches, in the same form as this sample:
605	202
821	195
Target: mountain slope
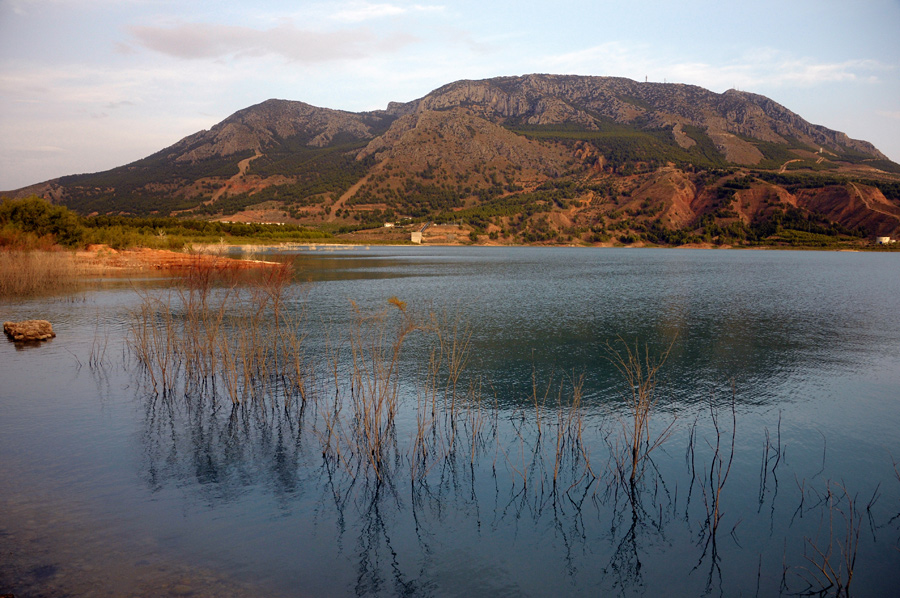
272	125
530	158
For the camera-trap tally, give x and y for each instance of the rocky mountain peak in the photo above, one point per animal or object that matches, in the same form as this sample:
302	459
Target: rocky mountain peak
269	124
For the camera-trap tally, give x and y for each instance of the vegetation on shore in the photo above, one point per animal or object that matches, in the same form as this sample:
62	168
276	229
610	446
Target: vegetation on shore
37	239
34	232
34	223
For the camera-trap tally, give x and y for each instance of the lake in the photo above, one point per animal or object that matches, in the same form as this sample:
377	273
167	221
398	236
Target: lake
452	422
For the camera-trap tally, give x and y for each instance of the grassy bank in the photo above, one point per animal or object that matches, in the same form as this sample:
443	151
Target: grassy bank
37	272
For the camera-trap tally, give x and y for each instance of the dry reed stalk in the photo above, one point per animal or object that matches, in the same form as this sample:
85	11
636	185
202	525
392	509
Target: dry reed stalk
640	371
217	327
334	436
375	358
425	427
454	337
570	447
477	421
152	340
539	402
26	273
97	358
228	370
450	338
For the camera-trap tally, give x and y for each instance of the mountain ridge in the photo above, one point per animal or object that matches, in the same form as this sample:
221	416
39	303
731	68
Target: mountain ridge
607	141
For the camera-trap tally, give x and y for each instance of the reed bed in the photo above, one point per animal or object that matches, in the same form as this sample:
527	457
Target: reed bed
376	418
33	272
235	340
222	334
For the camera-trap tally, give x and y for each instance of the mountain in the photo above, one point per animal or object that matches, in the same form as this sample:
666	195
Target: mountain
536	158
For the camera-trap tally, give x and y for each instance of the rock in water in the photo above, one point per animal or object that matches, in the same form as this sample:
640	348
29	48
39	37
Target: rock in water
29	330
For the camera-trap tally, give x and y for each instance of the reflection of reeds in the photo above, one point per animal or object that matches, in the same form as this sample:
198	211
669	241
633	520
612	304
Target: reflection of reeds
97	358
374	416
831	555
712	484
719	469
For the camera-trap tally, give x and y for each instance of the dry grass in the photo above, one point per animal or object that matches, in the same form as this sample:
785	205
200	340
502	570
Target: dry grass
640	370
218	335
376	340
30	273
222	333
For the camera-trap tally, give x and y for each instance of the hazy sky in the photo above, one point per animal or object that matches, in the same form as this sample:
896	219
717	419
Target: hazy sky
86	85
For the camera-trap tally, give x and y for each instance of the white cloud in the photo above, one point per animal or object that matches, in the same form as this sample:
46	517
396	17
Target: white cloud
895	115
46	149
71	85
364	11
26	7
202	40
764	67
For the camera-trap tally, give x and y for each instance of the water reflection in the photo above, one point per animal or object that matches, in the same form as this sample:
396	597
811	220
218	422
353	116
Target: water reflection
219	449
510	480
517	481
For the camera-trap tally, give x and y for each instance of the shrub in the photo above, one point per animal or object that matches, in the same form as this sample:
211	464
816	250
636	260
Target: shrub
41	218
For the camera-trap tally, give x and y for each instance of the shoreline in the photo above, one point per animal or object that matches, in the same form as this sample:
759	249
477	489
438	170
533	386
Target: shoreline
102	258
224	250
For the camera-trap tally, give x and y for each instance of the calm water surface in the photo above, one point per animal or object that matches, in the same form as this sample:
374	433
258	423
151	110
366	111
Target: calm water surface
110	489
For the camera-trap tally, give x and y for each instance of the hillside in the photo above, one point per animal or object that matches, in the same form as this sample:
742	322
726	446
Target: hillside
537	158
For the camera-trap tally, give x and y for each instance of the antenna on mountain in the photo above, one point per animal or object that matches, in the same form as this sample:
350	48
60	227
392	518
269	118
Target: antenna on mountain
645	78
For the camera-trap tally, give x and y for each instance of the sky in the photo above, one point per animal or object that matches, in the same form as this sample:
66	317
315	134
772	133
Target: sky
88	85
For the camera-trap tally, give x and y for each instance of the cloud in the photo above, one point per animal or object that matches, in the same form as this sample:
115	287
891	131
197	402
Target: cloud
123	49
763	67
364	11
359	12
73	85
895	115
205	41
46	149
26	7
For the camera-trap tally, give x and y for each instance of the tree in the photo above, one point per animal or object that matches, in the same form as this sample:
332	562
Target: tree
41	218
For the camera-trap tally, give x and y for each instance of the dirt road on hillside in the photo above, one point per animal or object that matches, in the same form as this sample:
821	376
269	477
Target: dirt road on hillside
243	167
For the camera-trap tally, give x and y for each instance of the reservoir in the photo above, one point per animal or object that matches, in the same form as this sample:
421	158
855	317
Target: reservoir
459	422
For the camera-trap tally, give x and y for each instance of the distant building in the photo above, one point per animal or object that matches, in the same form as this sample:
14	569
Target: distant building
883	240
416	237
388	225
